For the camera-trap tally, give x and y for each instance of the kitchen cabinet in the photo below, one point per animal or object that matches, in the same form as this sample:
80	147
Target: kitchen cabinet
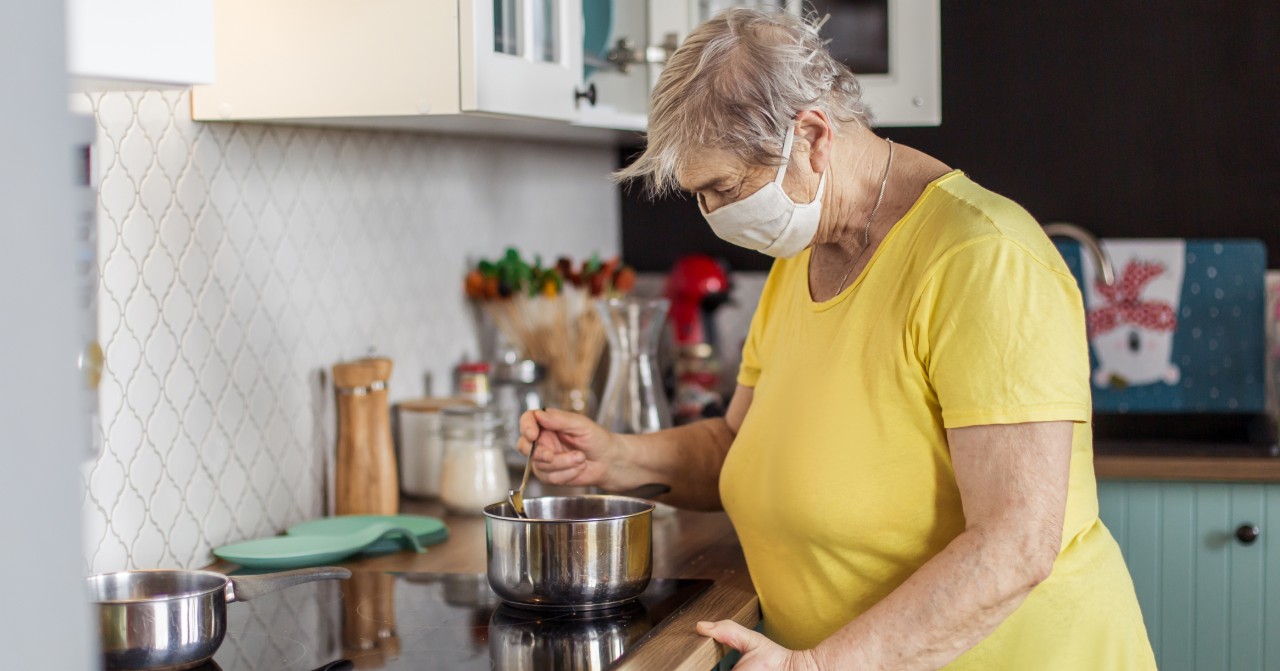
140	42
564	69
893	45
625	45
449	66
1210	596
519	57
481	66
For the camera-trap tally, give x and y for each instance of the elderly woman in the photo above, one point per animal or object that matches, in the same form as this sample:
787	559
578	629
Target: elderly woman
907	460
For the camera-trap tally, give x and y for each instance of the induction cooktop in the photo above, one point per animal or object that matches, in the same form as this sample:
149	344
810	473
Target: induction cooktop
433	621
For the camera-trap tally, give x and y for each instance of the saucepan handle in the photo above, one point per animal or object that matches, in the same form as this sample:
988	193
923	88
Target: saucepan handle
246	587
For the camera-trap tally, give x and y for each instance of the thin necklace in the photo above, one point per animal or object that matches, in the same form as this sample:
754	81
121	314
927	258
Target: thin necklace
866	229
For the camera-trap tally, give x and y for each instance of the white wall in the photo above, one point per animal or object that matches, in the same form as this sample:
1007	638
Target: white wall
239	261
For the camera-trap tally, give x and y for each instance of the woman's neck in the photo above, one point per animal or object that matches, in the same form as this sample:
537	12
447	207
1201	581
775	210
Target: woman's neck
853	186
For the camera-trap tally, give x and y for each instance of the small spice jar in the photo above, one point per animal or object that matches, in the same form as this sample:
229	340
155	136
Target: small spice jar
472	380
474	473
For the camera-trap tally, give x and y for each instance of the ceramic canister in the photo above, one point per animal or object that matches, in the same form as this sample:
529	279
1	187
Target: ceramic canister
422	444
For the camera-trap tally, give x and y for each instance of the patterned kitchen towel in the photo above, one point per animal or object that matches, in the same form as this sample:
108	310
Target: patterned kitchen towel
1182	327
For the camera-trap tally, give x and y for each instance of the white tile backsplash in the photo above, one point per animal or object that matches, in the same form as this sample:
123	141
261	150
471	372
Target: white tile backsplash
239	261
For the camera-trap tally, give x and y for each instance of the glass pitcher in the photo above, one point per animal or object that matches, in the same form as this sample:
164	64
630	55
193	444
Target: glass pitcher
633	400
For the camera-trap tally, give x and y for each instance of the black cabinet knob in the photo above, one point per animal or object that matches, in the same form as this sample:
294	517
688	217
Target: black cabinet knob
1247	534
589	94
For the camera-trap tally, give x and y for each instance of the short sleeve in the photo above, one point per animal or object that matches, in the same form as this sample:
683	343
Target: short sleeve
749	369
753	348
1001	335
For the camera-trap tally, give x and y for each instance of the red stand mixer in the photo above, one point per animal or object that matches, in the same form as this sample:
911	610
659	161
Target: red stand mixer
696	286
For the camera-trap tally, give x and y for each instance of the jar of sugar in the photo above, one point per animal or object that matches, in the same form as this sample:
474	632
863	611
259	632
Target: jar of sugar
474	473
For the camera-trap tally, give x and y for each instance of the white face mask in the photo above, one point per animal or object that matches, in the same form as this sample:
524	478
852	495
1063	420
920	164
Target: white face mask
768	221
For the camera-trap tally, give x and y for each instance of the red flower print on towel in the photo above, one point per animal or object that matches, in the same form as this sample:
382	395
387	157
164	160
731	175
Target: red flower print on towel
1125	304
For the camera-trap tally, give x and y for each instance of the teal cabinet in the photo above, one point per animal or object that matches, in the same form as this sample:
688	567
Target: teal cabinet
1211	601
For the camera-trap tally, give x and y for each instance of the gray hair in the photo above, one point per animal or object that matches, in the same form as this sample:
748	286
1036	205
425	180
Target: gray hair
735	84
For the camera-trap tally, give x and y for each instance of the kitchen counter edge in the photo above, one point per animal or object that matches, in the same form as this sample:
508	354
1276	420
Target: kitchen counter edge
1186	468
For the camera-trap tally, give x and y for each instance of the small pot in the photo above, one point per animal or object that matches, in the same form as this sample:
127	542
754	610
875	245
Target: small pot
176	619
573	552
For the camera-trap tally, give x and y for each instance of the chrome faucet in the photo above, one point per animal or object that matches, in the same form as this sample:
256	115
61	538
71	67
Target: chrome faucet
1106	274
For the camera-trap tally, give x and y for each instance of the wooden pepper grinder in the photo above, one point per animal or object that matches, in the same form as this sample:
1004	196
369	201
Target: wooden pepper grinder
365	482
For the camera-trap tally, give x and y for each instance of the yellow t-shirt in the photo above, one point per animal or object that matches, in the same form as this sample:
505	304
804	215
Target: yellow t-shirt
840	484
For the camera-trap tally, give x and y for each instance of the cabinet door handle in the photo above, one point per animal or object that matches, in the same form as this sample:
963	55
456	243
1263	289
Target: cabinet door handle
1248	533
625	54
589	94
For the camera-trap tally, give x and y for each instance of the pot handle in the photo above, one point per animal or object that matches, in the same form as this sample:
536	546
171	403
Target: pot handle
650	491
246	587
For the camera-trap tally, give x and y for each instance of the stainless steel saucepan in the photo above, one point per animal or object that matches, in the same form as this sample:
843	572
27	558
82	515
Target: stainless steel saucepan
572	552
176	619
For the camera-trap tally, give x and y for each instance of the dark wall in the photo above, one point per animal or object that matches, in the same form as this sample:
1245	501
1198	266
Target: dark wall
1132	119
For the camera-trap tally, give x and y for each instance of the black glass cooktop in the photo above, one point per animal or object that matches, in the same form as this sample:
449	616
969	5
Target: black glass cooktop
432	621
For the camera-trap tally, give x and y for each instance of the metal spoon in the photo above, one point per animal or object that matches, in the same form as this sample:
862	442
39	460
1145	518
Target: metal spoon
516	496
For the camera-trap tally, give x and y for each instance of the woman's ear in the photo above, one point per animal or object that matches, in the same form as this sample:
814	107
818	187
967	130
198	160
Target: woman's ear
814	129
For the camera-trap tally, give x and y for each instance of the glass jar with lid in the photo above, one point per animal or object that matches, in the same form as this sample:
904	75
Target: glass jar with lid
474	472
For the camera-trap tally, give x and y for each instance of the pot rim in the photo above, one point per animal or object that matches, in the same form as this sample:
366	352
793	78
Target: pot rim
165	597
490	510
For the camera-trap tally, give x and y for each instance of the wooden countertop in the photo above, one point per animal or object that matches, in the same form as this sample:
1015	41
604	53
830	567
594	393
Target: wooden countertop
685	545
1185	461
1186	468
704	546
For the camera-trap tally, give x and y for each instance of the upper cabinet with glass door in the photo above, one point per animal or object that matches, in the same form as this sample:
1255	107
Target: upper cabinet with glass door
565	69
625	44
521	57
474	66
892	45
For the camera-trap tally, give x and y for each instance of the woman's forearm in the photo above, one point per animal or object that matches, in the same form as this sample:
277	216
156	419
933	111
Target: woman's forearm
687	458
949	605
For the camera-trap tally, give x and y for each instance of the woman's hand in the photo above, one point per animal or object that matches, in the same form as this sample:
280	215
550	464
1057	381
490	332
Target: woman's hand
758	652
572	449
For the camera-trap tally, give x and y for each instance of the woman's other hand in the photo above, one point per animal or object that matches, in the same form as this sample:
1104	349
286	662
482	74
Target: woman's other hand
572	449
758	652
